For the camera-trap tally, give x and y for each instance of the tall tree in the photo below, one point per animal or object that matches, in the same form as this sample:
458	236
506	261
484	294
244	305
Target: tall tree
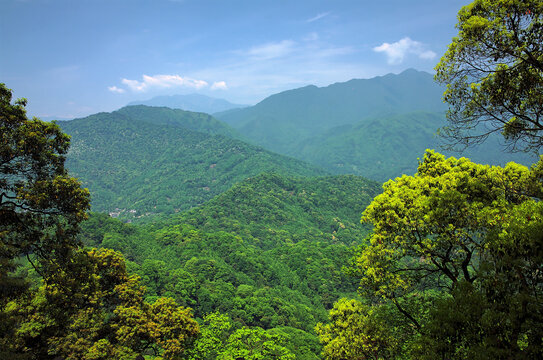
468	231
96	310
41	206
493	71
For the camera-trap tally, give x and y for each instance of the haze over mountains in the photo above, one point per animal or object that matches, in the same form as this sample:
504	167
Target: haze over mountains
376	128
191	102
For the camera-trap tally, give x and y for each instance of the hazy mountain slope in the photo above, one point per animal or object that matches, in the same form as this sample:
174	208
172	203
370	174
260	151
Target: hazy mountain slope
196	121
142	168
191	102
282	120
385	147
273	209
376	128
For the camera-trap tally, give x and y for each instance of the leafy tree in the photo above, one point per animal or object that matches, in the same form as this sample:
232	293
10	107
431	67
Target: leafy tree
357	331
96	310
255	343
214	332
467	230
41	206
494	73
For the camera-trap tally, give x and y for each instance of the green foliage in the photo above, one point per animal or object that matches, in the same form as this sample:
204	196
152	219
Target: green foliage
277	266
142	161
95	310
214	333
271	209
473	232
40	204
253	344
494	73
358	331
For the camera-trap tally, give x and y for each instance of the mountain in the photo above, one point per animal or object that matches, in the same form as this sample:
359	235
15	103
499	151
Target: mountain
272	209
376	128
192	102
281	121
138	165
196	121
385	147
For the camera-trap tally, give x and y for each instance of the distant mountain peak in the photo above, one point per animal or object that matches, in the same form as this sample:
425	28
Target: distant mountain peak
190	102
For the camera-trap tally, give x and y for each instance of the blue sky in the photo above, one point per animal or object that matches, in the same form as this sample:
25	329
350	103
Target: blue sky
71	58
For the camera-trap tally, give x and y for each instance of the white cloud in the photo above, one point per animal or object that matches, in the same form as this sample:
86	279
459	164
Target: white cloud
317	17
219	85
295	63
272	50
163	81
115	89
397	51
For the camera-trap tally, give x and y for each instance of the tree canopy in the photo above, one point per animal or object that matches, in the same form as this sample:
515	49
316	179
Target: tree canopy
85	305
493	71
41	206
457	230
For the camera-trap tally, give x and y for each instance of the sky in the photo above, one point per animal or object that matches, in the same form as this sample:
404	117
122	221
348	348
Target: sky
72	58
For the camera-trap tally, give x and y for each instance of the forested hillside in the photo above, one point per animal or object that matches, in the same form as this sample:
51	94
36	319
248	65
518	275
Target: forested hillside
385	147
270	210
197	121
375	128
267	252
142	161
281	121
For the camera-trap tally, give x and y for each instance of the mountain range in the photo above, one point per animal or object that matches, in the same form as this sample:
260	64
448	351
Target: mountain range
376	127
139	161
191	102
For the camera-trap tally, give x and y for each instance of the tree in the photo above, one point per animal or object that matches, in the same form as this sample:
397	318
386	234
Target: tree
493	71
255	344
214	332
96	310
41	206
358	331
466	230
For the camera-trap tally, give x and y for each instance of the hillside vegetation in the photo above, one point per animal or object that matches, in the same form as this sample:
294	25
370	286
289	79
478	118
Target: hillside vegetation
267	252
374	128
141	161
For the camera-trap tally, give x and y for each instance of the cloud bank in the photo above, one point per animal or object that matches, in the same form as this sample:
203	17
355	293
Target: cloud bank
157	82
396	52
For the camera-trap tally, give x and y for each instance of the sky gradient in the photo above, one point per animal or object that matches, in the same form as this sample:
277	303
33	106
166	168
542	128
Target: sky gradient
72	58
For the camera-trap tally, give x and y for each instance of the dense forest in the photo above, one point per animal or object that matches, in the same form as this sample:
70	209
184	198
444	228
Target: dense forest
159	233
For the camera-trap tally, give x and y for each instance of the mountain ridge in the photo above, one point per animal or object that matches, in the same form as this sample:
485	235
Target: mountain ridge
136	169
190	102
